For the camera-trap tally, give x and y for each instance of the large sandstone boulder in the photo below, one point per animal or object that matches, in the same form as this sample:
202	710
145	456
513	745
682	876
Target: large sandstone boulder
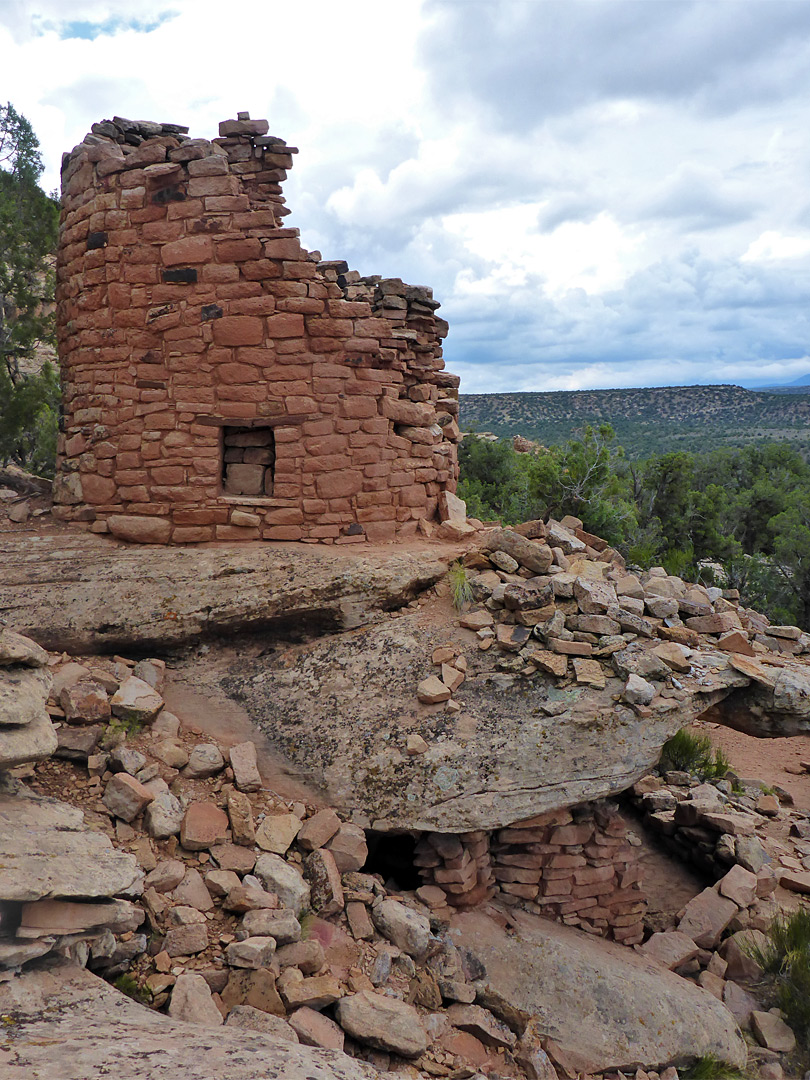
68	1023
606	1007
516	748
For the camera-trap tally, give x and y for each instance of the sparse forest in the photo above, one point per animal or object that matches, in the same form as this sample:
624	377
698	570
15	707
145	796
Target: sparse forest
747	509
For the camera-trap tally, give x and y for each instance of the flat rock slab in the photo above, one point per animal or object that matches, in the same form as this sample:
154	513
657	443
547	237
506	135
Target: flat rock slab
606	1007
57	588
70	1024
47	852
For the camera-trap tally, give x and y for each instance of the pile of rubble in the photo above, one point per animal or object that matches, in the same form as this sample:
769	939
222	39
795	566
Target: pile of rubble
249	911
714	825
699	947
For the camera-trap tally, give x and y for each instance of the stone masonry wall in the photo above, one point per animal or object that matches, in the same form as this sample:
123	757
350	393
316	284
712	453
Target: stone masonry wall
578	867
220	382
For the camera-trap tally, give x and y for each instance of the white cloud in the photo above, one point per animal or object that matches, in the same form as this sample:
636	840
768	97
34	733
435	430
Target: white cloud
602	194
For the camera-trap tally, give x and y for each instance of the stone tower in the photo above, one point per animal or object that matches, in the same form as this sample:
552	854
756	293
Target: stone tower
220	381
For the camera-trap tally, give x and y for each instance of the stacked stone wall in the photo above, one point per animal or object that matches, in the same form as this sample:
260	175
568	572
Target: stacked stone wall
578	867
185	308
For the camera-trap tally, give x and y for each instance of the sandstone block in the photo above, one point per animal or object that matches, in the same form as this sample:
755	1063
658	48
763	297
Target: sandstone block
204	825
382	1022
771	1031
279	924
240	814
319	829
706	917
245	768
163	816
205	760
136	702
284	881
670	948
325	885
125	797
277	832
253	952
192	1002
349	848
85	702
316	992
432	691
315	1029
404	927
186	940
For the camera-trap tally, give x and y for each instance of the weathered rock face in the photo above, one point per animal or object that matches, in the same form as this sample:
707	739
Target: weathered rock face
774	703
70	1024
515	749
603	1005
62	593
26	731
47	852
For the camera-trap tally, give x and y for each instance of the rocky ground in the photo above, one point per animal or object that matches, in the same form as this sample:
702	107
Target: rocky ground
219	875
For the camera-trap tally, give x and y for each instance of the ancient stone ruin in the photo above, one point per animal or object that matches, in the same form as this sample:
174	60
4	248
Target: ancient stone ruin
220	381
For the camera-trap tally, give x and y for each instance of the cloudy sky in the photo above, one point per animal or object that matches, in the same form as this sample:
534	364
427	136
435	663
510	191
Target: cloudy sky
602	193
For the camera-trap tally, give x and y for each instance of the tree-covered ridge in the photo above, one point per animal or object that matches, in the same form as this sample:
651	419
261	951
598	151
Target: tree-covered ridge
28	228
649	420
746	509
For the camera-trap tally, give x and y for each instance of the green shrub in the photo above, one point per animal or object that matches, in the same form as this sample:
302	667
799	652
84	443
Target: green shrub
694	754
709	1067
127	985
460	588
786	958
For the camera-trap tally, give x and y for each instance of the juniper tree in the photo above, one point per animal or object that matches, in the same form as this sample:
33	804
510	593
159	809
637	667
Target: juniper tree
28	227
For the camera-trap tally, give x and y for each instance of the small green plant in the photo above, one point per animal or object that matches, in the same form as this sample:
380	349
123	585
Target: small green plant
695	754
460	588
127	985
709	1067
786	958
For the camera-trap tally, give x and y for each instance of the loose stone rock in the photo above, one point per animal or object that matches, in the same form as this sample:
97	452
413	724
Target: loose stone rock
240	813
318	830
407	929
205	760
125	797
253	953
277	832
163	816
204	825
191	1001
382	1022
136	702
245	768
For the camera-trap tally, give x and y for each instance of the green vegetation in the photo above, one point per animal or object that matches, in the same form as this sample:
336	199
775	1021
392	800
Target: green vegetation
127	985
651	420
694	754
786	959
710	1067
29	399
746	509
460	588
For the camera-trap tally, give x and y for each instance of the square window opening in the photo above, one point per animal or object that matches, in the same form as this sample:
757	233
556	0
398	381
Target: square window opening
248	461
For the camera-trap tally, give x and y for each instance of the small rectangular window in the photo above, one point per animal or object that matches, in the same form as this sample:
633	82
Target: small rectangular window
248	461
